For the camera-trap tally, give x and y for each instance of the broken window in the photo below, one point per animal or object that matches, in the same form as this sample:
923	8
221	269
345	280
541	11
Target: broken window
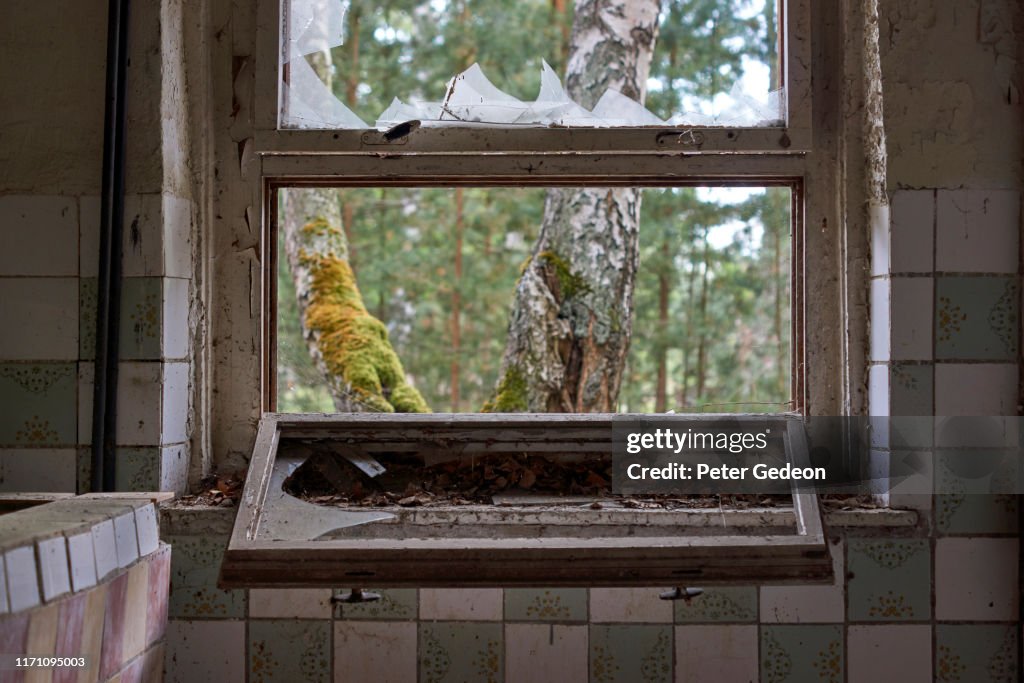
433	145
349	64
438	267
280	540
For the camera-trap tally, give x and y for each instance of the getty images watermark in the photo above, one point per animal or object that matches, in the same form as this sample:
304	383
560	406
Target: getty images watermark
780	454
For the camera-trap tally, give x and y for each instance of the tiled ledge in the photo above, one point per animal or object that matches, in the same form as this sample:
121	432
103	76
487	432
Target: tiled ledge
71	544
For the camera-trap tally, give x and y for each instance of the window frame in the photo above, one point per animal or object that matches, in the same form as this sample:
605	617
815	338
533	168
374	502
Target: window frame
304	554
795	135
268	158
798	389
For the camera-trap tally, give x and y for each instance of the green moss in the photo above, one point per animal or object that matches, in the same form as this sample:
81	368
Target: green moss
569	282
511	395
525	264
319	226
354	344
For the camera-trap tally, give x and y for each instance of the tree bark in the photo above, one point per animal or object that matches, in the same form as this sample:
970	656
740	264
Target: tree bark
571	318
349	346
661	349
457	299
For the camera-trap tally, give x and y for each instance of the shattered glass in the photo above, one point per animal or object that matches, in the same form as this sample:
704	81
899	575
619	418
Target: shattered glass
314	27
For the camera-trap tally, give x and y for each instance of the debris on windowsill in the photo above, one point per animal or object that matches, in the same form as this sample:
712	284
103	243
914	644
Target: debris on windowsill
221	490
498	480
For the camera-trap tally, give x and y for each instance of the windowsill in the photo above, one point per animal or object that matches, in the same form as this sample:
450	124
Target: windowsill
179	519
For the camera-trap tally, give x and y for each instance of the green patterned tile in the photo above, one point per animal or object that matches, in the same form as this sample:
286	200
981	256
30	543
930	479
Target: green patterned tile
727	604
911	393
141	313
137	469
39	404
975	491
87	318
889	580
976	653
195	564
84	455
976	318
630	654
461	652
395	604
795	654
289	650
545	604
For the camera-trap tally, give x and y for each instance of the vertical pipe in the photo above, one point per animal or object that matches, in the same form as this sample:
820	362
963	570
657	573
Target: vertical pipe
108	291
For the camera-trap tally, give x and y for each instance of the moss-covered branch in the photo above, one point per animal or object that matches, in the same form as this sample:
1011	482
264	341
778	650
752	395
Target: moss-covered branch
353	343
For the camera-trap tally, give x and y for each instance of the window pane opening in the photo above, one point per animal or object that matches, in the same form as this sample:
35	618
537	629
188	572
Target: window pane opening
353	64
433	282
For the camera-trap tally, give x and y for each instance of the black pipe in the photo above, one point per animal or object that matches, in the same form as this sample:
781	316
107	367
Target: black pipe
108	290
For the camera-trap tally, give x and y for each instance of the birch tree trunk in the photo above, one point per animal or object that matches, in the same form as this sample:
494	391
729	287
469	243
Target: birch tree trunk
349	346
571	318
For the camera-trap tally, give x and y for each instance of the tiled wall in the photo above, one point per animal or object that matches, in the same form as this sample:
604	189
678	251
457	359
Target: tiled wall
934	602
84	577
894	597
48	271
945	299
118	626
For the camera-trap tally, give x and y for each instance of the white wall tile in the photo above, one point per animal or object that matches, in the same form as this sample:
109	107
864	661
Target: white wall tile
4	607
379	651
40	318
88	236
147	529
290	603
976	579
912	242
546	653
175	403
975	389
50	470
629	605
174	468
878	390
53	567
807	604
138	403
176	329
205	651
880	320
879	220
911	311
40	235
721	652
82	561
86	375
177	221
126	539
104	547
22	578
890	653
143	235
977	231
461	604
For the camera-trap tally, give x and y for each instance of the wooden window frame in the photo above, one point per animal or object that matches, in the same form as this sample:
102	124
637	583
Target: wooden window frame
272	158
280	541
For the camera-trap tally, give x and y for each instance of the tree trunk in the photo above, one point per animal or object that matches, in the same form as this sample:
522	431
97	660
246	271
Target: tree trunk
703	326
661	349
348	345
571	318
457	300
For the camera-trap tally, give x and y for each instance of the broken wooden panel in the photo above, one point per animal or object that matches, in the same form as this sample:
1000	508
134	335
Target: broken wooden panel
280	540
